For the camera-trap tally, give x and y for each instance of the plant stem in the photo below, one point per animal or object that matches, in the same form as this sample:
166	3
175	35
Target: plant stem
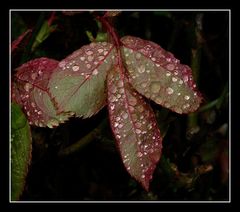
26	54
80	144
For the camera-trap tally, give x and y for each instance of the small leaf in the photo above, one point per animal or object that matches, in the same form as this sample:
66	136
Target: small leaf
78	83
135	128
43	34
31	86
158	75
15	44
21	148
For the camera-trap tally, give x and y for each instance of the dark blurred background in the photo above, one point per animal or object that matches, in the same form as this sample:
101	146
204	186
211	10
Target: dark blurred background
194	164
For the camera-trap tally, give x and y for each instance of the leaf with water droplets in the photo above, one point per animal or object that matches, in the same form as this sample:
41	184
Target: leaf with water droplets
135	128
31	82
78	83
158	75
21	148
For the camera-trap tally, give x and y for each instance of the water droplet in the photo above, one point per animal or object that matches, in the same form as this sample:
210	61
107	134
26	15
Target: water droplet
33	104
174	79
178	94
138	56
82	58
27	86
101	58
138	124
128	62
141	165
89	52
131	109
132	101
140	108
168	74
175	73
39	112
158	100
180	82
118	136
128	168
143	176
178	110
89	66
116	124
185	78
95	72
139	154
153	59
138	131
167	104
121	90
90	58
28	113
120	84
100	50
144	85
186	106
105	53
56	87
169	90
187	97
141	69
62	64
112	98
112	107
150	126
34	76
75	68
170	67
155	87
125	115
118	118
120	126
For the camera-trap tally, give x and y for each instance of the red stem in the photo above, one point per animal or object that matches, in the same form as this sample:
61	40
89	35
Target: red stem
115	38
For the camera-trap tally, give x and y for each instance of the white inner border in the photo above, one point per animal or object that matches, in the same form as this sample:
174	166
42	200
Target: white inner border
184	10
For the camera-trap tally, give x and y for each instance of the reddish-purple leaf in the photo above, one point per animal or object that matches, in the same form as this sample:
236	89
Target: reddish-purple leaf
16	42
158	75
135	128
78	83
31	84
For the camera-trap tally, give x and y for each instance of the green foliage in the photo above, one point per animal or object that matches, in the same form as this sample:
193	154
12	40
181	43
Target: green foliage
21	148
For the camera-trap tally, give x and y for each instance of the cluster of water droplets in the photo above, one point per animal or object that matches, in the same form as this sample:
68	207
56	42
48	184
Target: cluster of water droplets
134	126
31	85
88	60
158	75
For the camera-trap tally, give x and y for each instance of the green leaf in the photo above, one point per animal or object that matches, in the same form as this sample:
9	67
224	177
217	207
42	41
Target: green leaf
78	83
43	34
135	128
21	148
158	75
30	91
